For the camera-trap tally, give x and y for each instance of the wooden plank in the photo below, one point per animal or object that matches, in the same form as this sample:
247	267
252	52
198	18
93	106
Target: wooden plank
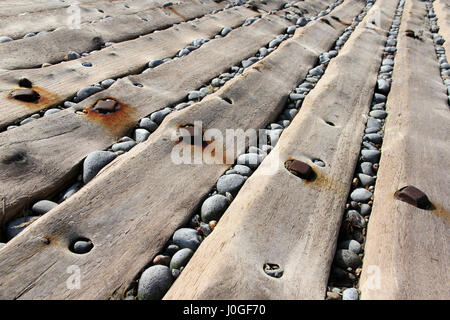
278	217
407	249
53	47
46	20
128	226
442	11
66	130
55	145
63	80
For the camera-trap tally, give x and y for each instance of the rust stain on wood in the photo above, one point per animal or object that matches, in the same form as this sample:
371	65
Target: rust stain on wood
177	13
46	99
116	122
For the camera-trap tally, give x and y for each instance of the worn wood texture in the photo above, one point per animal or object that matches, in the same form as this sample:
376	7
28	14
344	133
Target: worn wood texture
442	11
407	248
63	80
46	20
53	47
278	217
54	145
128	226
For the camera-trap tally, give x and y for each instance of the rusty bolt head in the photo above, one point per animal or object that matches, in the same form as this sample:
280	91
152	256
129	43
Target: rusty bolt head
300	169
106	106
25	95
413	196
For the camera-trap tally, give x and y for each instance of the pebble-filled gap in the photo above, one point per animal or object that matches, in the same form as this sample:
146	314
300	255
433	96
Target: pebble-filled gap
346	268
438	41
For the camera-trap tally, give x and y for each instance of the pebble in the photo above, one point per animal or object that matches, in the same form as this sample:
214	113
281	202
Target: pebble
291	30
361	195
225	31
251	160
302	21
366	180
94	162
183	52
355	219
154	283
71	191
159	116
148	124
2	245
374	138
72	55
347	259
171	250
243	170
86	64
370	155
43	206
87	91
350	294
366	168
379	98
82	246
155	63
181	258
123	146
141	135
230	183
187	238
365	209
193	95
352	245
51	111
162	260
69	104
27	120
107	83
383	86
379	114
214	207
17	225
317	71
374	123
4	39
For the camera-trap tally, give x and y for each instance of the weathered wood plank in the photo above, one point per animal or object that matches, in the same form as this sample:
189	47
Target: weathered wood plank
442	11
128	226
407	248
44	140
53	47
56	144
278	217
65	79
45	20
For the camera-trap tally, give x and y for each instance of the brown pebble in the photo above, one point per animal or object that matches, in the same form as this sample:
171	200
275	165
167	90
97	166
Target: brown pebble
106	106
212	224
333	295
162	260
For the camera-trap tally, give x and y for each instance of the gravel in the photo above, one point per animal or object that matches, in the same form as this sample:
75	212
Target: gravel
123	146
82	246
370	155
87	91
352	245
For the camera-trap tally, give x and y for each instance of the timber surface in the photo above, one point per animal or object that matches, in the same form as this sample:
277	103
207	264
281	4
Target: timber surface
407	250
